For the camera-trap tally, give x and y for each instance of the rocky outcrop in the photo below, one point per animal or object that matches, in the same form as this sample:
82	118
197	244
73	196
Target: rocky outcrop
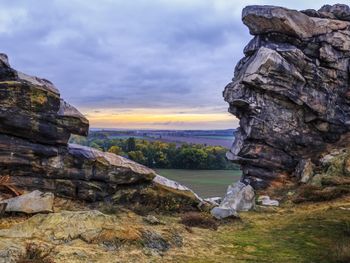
84	236
35	126
290	91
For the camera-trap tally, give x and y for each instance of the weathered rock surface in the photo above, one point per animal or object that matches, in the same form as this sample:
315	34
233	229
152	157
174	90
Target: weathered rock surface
31	203
290	91
239	197
35	126
80	236
304	170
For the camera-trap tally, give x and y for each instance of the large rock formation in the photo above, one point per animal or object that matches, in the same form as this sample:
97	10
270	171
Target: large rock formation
290	91
35	126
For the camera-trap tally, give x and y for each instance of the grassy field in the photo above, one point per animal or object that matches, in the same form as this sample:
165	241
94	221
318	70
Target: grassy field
206	183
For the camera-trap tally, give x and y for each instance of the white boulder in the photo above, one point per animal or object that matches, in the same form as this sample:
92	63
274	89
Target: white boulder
239	197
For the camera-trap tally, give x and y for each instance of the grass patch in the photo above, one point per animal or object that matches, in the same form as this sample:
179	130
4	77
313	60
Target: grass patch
301	235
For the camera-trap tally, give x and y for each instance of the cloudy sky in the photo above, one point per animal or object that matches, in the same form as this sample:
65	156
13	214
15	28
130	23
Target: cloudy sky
158	64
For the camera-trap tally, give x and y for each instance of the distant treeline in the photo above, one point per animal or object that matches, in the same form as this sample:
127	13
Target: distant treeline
156	154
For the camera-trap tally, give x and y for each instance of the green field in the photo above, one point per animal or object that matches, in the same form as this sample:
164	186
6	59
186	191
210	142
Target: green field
217	137
206	183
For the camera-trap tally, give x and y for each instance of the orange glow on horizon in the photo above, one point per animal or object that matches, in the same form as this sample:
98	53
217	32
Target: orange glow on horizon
159	119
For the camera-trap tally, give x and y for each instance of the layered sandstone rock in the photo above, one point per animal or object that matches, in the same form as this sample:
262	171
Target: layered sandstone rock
35	126
290	91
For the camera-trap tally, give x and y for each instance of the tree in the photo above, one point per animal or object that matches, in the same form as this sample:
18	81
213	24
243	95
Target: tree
131	144
157	154
192	158
115	149
137	156
96	146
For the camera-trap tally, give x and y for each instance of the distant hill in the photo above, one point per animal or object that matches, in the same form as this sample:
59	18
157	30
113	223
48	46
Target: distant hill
222	138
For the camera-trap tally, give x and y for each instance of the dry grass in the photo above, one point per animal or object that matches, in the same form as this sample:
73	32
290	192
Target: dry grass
309	193
201	220
335	181
342	251
35	254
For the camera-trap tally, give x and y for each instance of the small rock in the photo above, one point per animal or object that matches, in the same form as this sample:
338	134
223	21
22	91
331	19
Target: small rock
265	200
214	200
317	180
152	220
327	159
270	203
221	213
31	203
304	170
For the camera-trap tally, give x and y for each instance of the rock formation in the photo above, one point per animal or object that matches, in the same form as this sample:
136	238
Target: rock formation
239	197
35	126
290	91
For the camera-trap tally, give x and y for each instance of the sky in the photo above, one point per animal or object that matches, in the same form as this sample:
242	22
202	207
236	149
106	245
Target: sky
141	64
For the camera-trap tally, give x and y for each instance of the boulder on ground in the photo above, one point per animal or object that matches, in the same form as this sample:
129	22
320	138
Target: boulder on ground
265	200
161	195
214	200
31	203
239	197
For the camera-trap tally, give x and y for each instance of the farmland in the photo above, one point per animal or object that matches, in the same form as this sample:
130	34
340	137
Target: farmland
206	183
222	138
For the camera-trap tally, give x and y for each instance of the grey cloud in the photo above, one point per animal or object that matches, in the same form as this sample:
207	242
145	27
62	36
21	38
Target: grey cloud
131	54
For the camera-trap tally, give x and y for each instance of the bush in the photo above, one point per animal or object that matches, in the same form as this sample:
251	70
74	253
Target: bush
195	219
115	149
317	194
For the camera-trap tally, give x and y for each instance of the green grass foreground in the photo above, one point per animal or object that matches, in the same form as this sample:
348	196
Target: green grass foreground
311	232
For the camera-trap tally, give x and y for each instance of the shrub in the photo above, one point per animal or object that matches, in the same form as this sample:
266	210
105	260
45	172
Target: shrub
195	219
317	194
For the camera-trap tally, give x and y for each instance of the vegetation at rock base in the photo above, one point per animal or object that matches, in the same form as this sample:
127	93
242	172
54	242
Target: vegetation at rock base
35	254
157	154
304	233
195	219
310	193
